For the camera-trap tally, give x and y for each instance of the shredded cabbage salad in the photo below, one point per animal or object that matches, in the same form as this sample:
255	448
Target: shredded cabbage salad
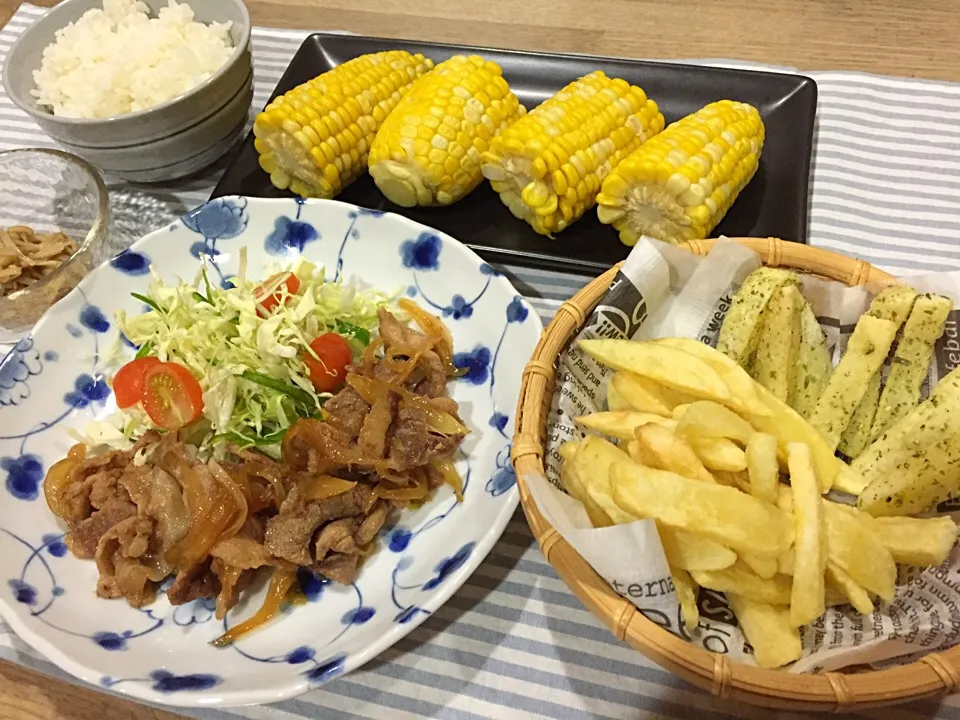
250	367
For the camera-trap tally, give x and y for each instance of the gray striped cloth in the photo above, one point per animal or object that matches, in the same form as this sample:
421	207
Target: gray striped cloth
514	642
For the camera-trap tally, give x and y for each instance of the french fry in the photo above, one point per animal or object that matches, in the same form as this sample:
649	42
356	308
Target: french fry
593	464
740	383
666	450
637	452
718	454
786	562
814	366
740	332
866	351
688	551
668	366
686	590
775	363
741	580
853	548
810	548
679	410
615	401
709	419
766	568
780	419
775	641
762	466
785	499
739	480
833	596
859	431
901	391
575	488
849	480
847	586
916	541
723	514
622	424
569	450
913	465
641	394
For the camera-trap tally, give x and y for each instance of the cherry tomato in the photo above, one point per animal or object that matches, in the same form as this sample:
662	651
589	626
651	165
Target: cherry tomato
329	372
270	292
128	382
171	396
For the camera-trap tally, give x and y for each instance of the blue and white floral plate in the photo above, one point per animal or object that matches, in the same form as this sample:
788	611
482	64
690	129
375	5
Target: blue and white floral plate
51	382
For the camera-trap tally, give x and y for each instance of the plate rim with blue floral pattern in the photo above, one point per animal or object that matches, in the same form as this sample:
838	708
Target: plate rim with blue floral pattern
52	380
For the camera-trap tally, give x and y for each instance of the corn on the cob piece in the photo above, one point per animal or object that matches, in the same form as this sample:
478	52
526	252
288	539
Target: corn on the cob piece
428	150
315	138
549	165
679	185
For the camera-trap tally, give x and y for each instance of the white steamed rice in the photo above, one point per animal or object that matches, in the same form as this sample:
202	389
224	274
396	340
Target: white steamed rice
119	60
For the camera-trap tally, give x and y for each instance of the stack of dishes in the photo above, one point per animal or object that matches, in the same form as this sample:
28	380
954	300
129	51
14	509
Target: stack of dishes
167	140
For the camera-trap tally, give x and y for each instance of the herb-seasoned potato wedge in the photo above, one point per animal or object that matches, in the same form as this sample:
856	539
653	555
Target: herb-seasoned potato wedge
740	332
866	351
814	367
775	363
893	304
901	391
858	433
916	463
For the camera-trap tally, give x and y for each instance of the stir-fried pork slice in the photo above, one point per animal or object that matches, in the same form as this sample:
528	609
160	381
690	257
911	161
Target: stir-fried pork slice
430	378
198	582
337	537
376	425
158	497
339	568
86	535
289	533
117	555
394	332
347	410
235	561
372	524
412	444
243	553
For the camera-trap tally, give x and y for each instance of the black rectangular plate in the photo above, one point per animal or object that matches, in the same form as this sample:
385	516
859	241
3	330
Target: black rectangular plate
774	204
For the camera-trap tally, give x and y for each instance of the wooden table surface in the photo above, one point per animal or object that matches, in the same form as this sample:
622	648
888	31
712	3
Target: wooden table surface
890	37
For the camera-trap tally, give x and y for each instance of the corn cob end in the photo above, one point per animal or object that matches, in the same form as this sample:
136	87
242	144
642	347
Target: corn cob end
679	185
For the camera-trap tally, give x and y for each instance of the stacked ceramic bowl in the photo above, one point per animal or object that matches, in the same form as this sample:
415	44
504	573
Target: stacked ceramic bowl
163	142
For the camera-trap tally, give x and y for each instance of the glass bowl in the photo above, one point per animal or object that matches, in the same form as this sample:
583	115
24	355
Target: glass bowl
50	191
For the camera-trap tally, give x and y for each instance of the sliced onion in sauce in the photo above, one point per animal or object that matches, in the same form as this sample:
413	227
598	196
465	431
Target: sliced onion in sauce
450	476
320	487
280	583
440	421
58	478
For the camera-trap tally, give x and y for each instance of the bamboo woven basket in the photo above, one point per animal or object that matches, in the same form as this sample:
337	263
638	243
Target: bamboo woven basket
935	674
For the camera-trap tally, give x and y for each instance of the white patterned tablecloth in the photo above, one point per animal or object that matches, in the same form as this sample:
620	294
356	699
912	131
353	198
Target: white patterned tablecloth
514	642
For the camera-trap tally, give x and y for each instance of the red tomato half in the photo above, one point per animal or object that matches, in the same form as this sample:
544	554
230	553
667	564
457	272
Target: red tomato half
275	289
171	396
329	372
128	382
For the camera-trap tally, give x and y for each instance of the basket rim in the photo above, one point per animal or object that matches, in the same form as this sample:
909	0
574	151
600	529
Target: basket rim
929	676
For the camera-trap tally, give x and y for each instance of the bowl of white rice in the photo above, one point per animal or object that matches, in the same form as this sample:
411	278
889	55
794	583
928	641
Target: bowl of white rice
147	90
